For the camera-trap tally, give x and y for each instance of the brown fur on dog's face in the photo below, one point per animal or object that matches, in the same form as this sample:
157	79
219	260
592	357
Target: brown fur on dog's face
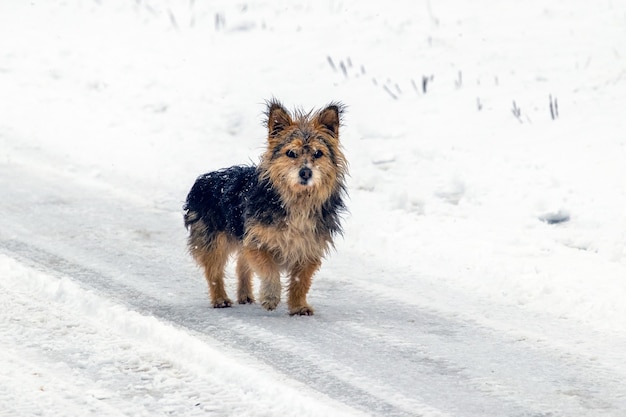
304	157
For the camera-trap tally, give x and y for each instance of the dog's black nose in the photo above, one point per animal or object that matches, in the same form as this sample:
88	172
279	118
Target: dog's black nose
305	173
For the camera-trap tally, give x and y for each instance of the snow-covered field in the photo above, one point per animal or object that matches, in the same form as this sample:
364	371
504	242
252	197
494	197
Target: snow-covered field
483	267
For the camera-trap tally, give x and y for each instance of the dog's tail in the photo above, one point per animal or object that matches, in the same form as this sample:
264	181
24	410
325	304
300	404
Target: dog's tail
190	216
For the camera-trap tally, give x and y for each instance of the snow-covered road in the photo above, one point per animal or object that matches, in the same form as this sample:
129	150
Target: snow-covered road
105	316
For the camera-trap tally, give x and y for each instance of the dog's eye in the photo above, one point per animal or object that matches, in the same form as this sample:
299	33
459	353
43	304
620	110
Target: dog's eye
318	154
291	154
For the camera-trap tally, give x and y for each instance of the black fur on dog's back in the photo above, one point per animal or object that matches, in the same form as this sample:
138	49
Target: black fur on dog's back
221	198
224	200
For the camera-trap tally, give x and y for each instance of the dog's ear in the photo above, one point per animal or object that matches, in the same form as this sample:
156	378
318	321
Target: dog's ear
278	119
330	117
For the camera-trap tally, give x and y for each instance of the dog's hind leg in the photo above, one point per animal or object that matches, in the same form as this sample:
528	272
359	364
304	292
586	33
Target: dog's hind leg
263	263
244	281
213	259
300	281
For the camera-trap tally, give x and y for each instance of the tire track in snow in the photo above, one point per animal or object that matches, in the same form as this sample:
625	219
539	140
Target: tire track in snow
70	352
262	346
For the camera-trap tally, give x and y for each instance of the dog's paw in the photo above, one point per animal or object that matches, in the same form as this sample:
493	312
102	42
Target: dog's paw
246	299
222	303
270	303
305	310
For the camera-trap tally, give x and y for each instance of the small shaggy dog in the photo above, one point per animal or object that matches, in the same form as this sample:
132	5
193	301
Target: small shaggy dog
278	216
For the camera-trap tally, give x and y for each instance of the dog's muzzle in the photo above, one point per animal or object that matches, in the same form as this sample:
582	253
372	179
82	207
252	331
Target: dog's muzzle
305	175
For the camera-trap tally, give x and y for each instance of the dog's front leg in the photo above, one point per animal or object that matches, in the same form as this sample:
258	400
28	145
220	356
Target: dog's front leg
299	284
265	267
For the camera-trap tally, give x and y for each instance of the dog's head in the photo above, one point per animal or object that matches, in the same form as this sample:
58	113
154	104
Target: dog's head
304	155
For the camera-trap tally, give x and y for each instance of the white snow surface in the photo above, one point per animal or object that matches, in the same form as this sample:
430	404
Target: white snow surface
482	271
